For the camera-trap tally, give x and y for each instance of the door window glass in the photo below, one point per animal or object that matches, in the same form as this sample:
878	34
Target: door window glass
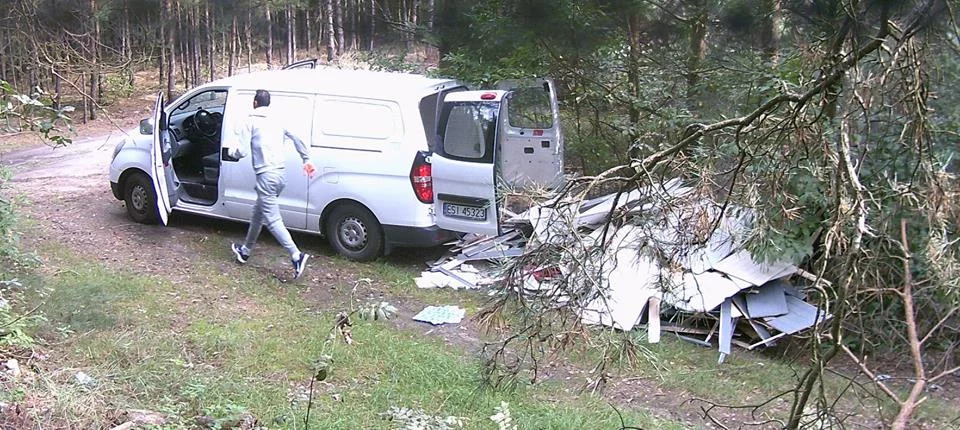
530	107
469	130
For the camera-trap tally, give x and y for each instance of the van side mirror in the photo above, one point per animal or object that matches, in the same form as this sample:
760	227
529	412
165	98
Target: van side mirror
146	126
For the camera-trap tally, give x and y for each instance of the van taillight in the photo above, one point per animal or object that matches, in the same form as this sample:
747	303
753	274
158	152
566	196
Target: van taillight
421	178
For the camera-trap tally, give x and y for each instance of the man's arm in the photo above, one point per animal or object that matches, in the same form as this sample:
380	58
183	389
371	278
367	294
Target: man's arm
303	150
232	150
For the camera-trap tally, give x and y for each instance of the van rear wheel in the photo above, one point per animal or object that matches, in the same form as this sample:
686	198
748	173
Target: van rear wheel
354	232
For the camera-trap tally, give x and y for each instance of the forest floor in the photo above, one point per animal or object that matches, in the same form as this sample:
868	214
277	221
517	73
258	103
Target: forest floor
162	319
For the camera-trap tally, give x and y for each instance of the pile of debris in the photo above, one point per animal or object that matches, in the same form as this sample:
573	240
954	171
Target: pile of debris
660	257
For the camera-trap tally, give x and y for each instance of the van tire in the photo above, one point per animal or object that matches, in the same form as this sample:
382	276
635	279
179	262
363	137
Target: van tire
140	199
354	232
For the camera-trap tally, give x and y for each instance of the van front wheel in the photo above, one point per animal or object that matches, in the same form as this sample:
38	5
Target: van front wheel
141	200
354	232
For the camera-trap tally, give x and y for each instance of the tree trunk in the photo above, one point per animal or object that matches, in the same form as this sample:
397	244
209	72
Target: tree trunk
164	46
291	35
233	46
431	14
308	42
269	39
338	26
772	30
56	89
634	33
373	23
211	43
331	51
697	48
127	46
197	40
95	60
249	41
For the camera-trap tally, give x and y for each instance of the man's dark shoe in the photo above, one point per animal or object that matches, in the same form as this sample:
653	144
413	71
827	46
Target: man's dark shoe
238	251
300	264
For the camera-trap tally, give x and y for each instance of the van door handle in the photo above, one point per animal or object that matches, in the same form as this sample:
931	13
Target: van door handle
225	155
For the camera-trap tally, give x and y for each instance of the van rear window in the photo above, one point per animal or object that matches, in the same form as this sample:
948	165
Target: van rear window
468	131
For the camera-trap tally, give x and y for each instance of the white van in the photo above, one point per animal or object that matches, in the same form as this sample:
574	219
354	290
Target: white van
402	160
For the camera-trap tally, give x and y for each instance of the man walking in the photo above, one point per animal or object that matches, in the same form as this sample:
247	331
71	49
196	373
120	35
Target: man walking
266	137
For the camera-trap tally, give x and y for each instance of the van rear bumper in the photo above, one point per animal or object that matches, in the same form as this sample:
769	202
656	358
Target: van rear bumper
419	237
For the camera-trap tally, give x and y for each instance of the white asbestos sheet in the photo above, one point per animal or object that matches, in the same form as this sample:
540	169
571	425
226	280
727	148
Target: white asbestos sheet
631	282
769	300
742	266
440	280
700	293
800	315
549	225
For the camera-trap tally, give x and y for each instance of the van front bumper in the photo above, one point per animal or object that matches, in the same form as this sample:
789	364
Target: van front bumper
416	237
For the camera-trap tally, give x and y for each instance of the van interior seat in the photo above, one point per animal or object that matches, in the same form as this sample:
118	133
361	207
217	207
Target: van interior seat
211	168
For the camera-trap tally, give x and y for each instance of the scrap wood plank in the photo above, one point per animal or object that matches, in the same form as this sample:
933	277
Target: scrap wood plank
449	273
768	341
487	244
680	329
694	340
491	254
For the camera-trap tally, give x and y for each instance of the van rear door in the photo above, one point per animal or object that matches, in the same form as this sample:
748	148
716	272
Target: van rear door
463	169
530	141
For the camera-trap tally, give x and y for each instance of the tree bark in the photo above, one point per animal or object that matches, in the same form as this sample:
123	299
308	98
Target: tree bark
373	24
338	26
291	35
772	29
249	41
331	50
95	59
269	39
697	48
231	62
308	42
211	44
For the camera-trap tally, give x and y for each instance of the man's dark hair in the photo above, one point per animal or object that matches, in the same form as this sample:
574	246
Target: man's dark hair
262	98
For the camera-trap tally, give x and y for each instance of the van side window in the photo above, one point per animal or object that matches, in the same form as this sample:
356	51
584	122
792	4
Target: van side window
468	131
357	119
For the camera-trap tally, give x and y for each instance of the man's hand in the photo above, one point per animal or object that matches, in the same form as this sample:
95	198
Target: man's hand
308	169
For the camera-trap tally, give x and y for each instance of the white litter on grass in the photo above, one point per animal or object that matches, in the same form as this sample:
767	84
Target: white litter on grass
84	380
438	315
441	280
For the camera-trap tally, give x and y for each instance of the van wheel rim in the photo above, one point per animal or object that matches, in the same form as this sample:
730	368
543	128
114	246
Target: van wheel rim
138	197
353	234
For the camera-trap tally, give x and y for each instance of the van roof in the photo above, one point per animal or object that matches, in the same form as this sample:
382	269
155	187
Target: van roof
359	83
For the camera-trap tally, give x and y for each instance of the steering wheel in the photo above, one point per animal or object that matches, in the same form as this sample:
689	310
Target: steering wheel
207	123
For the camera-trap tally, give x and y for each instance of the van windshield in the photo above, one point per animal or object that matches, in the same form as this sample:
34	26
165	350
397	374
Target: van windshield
468	130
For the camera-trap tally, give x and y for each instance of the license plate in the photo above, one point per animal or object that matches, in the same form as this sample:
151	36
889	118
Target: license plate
466	212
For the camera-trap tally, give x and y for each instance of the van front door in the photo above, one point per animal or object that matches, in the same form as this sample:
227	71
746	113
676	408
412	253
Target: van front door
530	149
160	167
463	164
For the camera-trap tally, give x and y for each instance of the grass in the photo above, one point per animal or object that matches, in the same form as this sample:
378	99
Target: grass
230	345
